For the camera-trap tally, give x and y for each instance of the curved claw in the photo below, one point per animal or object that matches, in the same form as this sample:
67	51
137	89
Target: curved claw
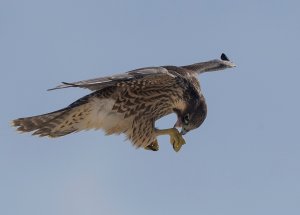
153	146
177	140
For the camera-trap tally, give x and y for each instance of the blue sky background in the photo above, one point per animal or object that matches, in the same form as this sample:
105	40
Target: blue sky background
245	159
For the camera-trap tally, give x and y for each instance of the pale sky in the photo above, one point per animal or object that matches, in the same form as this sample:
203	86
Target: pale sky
244	159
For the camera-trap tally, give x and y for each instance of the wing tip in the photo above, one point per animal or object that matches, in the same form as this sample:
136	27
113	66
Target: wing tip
62	86
224	57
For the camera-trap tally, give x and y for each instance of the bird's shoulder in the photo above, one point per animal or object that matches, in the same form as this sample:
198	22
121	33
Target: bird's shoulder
187	77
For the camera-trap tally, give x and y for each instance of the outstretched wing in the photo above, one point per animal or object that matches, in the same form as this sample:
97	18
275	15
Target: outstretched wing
100	83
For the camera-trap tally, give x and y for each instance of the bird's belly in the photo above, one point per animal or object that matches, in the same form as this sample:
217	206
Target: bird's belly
103	117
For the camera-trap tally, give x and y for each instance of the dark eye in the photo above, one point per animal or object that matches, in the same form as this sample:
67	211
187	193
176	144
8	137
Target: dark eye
186	119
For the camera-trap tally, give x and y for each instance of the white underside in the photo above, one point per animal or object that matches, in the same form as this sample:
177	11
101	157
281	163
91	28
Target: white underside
102	117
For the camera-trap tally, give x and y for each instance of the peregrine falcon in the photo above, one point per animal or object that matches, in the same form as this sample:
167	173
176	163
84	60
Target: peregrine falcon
130	103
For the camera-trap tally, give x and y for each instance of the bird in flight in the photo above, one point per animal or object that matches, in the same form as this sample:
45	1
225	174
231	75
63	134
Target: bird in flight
130	103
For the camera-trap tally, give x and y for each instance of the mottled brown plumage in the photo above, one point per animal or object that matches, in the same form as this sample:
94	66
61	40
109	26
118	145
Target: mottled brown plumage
130	103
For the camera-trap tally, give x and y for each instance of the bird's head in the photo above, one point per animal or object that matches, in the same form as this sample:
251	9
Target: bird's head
192	116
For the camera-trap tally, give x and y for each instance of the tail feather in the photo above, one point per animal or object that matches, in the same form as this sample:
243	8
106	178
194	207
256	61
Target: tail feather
28	124
55	124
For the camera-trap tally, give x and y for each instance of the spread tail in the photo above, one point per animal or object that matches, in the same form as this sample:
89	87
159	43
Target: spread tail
43	125
55	124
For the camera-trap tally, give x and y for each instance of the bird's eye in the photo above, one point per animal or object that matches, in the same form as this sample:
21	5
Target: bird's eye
186	119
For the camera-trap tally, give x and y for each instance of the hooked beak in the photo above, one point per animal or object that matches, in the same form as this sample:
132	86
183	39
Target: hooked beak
183	131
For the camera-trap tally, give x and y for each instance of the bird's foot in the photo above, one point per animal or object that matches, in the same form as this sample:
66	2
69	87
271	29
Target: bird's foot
153	146
176	138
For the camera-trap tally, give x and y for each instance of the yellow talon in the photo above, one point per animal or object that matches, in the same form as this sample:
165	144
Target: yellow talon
177	141
153	146
176	138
